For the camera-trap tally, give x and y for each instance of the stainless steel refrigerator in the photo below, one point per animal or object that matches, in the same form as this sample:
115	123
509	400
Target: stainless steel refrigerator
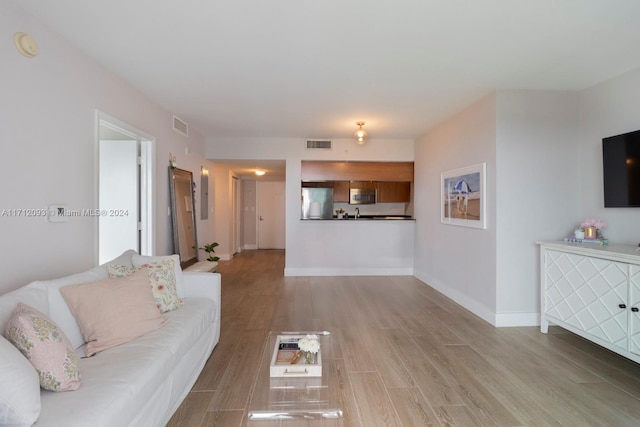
317	203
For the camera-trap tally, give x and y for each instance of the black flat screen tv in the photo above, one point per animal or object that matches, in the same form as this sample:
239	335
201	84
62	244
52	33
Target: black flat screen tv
621	170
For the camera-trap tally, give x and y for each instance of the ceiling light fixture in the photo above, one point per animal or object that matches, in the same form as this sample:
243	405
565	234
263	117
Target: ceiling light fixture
260	172
361	134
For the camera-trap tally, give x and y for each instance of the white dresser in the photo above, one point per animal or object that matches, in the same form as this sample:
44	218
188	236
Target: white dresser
593	291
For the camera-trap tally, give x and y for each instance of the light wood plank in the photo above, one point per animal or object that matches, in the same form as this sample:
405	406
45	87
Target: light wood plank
192	411
412	408
374	406
223	419
235	386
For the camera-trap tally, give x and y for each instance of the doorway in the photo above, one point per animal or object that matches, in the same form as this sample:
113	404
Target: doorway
125	192
271	214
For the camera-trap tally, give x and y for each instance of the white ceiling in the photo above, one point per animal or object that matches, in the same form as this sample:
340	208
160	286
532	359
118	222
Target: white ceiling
246	169
311	69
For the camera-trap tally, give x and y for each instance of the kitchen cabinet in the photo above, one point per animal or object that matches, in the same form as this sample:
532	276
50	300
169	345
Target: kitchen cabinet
316	184
361	185
593	292
394	192
316	170
341	191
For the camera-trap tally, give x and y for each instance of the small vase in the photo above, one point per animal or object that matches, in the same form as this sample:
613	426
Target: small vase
589	232
309	358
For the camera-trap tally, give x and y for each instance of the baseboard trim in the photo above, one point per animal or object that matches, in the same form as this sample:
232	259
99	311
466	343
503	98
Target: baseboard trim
470	304
499	320
400	271
251	247
517	319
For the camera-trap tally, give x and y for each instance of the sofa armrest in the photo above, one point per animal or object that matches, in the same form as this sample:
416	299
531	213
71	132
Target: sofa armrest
205	285
202	285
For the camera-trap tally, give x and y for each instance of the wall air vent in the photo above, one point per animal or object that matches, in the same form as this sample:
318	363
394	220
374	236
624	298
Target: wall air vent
180	126
318	144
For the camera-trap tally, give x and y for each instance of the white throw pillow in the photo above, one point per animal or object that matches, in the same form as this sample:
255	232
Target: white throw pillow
140	260
58	308
20	387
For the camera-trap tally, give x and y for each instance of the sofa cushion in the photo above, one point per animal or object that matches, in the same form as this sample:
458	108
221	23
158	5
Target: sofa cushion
140	260
113	311
163	282
59	310
46	347
20	391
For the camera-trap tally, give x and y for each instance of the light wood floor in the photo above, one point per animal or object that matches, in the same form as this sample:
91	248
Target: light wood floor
409	356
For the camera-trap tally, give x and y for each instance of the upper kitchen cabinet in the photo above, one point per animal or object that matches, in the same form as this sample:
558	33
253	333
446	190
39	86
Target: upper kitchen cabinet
356	171
363	185
341	191
394	192
317	184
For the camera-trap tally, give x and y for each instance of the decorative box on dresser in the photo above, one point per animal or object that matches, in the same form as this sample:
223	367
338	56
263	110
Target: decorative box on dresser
592	291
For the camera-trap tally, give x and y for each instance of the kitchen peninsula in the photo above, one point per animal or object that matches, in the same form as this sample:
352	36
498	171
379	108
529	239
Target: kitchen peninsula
379	242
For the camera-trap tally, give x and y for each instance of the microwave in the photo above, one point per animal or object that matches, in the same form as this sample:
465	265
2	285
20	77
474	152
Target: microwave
362	196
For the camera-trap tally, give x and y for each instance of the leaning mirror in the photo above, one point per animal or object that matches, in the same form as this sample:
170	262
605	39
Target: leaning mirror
183	219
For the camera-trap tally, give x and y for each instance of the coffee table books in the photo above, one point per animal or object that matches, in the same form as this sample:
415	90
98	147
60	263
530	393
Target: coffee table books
288	360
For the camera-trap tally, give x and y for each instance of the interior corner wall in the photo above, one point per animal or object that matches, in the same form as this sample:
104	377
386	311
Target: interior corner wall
537	192
249	202
607	109
223	199
458	261
48	108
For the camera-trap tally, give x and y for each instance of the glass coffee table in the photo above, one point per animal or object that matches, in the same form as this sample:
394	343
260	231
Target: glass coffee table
293	398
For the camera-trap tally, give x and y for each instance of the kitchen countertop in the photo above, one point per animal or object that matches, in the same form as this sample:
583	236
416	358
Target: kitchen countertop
367	218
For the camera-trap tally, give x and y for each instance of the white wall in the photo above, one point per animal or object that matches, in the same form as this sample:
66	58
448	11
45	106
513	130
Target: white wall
48	133
537	192
457	261
249	206
223	203
607	109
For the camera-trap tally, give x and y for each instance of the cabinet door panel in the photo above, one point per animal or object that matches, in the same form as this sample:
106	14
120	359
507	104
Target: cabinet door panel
341	191
362	185
394	192
634	302
586	293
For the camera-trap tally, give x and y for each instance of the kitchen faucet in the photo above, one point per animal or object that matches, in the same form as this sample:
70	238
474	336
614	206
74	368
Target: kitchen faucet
357	213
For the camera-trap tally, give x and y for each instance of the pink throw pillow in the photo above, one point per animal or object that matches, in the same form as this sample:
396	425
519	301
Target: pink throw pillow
113	311
46	347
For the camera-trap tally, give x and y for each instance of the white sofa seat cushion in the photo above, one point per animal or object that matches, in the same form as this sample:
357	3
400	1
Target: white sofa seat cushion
118	381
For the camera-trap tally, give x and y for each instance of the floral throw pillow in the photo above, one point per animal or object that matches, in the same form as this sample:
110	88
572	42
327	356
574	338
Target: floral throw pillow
46	347
162	278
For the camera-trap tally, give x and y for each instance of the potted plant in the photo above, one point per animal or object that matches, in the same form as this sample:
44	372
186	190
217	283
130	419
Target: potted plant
210	249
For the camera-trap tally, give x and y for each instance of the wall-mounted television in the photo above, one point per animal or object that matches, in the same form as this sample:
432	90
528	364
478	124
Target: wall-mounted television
621	170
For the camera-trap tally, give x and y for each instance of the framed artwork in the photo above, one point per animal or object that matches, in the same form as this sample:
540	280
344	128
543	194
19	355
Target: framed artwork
463	196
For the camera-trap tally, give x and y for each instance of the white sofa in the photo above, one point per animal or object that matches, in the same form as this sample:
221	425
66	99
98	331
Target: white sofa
139	383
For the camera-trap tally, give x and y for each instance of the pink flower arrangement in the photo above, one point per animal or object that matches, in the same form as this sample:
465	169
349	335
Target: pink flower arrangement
597	223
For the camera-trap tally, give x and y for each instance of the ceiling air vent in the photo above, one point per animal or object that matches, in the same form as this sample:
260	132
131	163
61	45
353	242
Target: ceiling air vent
180	126
318	145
